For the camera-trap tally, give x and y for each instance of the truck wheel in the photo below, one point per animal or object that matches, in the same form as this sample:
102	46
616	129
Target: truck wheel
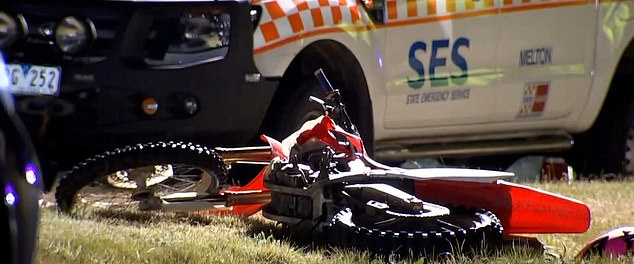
291	108
299	109
628	161
608	147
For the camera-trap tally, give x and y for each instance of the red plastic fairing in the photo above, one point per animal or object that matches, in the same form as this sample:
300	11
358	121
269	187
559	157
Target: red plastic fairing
277	150
521	209
322	131
255	185
243	210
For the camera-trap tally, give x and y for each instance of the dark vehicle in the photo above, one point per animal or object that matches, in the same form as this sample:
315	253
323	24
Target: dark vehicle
21	184
93	75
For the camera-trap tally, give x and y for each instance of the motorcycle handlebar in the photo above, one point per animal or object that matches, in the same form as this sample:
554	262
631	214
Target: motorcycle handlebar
332	103
325	84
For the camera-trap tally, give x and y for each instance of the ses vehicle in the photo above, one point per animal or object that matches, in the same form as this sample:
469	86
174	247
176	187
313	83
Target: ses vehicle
428	78
319	179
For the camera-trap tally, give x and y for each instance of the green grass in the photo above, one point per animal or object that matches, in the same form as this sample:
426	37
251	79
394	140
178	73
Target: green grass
611	205
143	238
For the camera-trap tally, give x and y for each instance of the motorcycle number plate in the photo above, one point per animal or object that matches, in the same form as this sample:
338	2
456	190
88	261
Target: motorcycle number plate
28	79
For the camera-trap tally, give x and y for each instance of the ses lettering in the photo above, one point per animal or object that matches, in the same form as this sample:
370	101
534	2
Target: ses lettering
436	61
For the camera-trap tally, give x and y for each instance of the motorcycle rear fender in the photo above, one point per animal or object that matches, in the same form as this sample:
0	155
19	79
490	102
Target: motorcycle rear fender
521	209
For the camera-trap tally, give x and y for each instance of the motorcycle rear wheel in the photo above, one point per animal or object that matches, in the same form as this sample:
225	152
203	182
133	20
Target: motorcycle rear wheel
462	231
106	181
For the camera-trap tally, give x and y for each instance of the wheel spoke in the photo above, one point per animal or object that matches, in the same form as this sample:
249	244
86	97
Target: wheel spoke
118	193
113	179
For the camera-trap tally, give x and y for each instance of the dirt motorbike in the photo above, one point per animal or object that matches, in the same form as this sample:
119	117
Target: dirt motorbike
321	178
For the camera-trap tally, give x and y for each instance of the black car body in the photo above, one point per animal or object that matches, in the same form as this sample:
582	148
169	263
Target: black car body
21	183
133	71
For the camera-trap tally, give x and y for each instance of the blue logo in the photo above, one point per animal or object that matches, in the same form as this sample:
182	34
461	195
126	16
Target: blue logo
436	61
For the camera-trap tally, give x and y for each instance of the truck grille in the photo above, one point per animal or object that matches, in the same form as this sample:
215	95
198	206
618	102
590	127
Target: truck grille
38	45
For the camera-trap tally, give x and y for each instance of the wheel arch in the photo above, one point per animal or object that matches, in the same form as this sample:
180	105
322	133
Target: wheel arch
608	124
618	91
613	58
344	71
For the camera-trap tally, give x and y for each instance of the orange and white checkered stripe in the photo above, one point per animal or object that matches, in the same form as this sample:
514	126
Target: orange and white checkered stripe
284	18
288	19
407	9
524	2
399	10
529	4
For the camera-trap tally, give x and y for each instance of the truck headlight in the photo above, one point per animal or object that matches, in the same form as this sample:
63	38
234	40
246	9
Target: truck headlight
72	34
201	33
9	29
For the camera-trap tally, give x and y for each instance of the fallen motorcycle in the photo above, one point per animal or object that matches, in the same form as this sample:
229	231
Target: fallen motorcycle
321	179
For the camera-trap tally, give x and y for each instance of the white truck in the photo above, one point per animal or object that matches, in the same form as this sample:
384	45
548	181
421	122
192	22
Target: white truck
467	78
426	78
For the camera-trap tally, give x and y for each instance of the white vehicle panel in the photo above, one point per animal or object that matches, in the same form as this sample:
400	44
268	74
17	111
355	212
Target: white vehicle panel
546	63
613	34
440	70
497	81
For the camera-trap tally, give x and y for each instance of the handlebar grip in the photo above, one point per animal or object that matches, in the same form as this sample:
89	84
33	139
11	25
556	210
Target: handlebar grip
325	84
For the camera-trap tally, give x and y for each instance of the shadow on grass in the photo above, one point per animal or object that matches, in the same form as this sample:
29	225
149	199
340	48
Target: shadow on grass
310	240
146	218
298	237
307	240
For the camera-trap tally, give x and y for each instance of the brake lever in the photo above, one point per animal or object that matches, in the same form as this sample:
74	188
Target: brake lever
321	102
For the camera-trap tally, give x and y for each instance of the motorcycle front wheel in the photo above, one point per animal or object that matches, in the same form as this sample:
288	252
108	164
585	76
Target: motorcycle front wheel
135	177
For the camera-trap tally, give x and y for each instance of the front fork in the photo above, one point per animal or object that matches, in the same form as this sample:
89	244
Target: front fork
195	202
143	194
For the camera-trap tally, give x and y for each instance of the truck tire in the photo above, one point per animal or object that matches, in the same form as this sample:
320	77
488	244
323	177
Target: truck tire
299	109
628	161
608	146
